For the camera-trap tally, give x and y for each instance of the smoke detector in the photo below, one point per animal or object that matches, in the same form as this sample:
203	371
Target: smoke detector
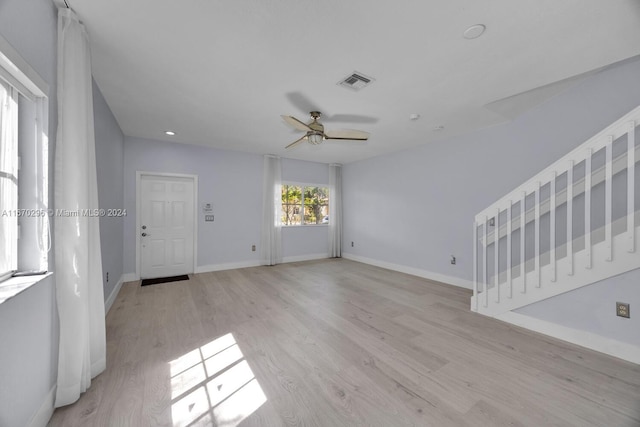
474	31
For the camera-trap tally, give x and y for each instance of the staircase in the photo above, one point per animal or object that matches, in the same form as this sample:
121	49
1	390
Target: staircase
573	224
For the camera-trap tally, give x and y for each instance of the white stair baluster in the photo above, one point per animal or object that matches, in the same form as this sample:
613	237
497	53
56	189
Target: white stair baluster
485	287
537	235
523	258
552	226
608	198
587	208
631	172
509	276
496	252
475	264
570	217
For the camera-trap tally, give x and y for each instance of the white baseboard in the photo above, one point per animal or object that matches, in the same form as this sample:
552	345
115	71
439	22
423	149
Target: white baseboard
621	350
227	266
430	275
114	294
309	257
129	277
255	263
45	412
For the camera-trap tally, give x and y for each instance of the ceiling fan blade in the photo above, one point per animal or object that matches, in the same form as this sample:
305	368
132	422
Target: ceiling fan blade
294	143
296	124
356	135
350	118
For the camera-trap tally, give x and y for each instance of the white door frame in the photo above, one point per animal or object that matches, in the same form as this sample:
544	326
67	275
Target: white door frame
194	178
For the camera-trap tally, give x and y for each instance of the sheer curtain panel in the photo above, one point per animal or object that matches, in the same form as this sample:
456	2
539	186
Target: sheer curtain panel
335	211
78	273
8	180
271	246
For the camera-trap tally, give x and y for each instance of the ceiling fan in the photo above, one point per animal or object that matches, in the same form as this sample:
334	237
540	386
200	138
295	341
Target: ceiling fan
315	133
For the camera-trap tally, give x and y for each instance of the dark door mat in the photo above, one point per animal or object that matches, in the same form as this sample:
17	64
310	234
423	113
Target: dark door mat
147	282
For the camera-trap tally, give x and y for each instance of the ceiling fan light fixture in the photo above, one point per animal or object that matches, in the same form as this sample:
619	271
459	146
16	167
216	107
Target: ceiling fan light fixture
315	138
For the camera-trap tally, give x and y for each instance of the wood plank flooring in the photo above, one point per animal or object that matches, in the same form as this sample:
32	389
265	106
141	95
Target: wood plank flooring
338	343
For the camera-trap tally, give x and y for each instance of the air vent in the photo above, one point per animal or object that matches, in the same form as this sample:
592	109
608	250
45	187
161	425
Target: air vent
355	81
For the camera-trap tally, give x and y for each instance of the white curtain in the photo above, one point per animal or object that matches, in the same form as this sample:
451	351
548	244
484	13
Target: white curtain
8	179
271	247
335	211
78	266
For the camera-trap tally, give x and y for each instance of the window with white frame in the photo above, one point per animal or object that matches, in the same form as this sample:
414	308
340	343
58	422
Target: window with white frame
8	180
25	238
304	204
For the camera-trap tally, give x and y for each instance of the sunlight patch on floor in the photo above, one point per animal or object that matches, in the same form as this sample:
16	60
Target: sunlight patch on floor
213	385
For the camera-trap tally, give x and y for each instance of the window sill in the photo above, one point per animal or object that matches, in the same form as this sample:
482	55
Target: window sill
304	225
15	285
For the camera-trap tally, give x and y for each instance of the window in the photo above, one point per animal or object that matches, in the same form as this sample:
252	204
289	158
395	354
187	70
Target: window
304	204
8	180
24	225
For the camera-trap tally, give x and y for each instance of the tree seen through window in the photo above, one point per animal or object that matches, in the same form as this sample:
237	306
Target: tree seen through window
304	205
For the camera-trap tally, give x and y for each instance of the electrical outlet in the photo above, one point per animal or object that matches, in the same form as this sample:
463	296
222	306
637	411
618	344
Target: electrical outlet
208	218
622	309
453	260
351	244
253	248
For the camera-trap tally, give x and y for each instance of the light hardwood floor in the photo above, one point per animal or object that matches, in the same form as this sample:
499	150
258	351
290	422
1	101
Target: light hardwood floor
338	343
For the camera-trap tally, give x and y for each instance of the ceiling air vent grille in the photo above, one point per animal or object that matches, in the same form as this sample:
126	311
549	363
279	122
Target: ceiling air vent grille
355	81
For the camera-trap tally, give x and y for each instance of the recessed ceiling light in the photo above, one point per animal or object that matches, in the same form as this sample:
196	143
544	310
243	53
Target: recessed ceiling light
474	31
414	116
170	132
438	128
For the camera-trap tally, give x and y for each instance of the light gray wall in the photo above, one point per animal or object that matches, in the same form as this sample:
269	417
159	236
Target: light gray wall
415	208
232	181
592	308
29	338
29	322
110	170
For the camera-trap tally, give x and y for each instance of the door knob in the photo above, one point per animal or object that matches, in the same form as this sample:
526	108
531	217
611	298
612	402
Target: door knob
144	234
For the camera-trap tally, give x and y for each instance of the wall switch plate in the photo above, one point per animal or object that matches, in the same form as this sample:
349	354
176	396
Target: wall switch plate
622	309
253	248
208	218
351	244
453	260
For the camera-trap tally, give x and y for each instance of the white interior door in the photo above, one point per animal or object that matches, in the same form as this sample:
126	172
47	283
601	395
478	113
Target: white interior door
166	225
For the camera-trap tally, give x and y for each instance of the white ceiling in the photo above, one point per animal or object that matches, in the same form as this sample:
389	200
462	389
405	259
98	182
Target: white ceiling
220	73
